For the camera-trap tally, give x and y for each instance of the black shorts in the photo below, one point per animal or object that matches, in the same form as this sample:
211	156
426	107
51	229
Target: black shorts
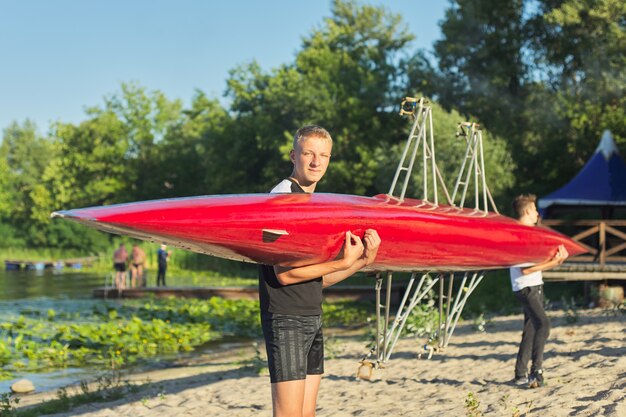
294	344
119	266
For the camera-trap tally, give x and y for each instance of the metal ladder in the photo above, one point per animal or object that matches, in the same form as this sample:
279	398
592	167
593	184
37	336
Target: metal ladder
474	155
421	130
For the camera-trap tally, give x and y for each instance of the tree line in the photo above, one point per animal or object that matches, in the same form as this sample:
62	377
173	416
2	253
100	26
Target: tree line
544	78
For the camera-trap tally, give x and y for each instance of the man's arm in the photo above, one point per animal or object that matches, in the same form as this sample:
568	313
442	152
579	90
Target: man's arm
352	253
560	257
372	243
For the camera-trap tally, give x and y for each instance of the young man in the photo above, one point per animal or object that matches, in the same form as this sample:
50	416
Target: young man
291	298
138	258
527	283
163	255
120	256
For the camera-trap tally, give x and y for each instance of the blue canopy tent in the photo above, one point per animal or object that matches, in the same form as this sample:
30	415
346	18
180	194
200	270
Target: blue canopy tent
601	183
589	209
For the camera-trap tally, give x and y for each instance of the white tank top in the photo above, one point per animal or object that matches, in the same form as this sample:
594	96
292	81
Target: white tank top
519	280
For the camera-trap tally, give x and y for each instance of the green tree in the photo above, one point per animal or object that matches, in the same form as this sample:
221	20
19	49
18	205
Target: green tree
8	192
25	155
345	78
196	157
92	167
450	151
580	48
548	76
113	156
146	117
481	61
349	77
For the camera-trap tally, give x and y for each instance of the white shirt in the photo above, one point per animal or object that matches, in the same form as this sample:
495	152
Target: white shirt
282	187
519	280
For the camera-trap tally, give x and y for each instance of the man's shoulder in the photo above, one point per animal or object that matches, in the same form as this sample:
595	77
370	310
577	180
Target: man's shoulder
283	187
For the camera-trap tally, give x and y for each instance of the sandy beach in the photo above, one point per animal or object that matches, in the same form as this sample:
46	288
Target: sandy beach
585	369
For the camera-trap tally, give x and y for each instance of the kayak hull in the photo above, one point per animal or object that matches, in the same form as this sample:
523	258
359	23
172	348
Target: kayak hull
303	229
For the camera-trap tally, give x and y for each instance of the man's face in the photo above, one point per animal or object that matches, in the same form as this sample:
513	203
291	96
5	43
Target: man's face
532	213
310	160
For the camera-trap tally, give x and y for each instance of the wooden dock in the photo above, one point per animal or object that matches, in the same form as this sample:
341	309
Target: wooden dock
25	264
586	271
354	293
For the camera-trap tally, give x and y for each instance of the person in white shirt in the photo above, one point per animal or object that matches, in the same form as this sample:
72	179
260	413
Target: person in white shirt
527	284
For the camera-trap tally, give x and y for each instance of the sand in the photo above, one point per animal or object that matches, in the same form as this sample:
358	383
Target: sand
585	369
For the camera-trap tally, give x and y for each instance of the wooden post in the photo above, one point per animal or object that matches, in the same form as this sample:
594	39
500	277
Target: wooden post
602	243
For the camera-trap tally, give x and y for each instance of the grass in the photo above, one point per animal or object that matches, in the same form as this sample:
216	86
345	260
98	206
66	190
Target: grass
472	405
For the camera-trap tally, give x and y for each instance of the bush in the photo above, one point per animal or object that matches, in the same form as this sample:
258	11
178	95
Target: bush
10	237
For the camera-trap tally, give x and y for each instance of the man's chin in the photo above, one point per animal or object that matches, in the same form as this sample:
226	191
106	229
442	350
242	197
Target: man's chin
313	178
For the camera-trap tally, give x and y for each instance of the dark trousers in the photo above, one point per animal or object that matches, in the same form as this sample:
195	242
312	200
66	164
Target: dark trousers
536	330
161	276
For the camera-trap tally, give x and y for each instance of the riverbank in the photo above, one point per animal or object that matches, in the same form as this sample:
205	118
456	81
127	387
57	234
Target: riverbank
585	363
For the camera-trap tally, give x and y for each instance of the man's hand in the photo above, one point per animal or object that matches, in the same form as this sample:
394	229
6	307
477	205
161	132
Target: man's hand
560	257
561	254
352	249
355	256
372	243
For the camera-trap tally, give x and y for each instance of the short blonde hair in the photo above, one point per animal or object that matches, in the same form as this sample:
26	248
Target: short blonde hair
522	202
310	131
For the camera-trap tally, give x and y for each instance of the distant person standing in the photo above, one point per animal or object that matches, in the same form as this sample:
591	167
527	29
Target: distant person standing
163	256
120	257
138	259
527	283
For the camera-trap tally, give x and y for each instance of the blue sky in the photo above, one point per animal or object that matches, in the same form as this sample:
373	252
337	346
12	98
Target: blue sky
58	57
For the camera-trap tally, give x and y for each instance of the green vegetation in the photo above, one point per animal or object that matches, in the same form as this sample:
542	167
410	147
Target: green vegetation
115	336
546	75
492	295
472	405
422	322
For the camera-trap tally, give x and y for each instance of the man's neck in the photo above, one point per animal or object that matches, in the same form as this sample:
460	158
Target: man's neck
309	188
526	221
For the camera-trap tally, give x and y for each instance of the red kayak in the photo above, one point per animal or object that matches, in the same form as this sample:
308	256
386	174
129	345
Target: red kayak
302	229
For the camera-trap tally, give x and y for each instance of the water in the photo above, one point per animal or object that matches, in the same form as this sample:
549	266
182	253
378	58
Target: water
69	284
22	285
43	290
